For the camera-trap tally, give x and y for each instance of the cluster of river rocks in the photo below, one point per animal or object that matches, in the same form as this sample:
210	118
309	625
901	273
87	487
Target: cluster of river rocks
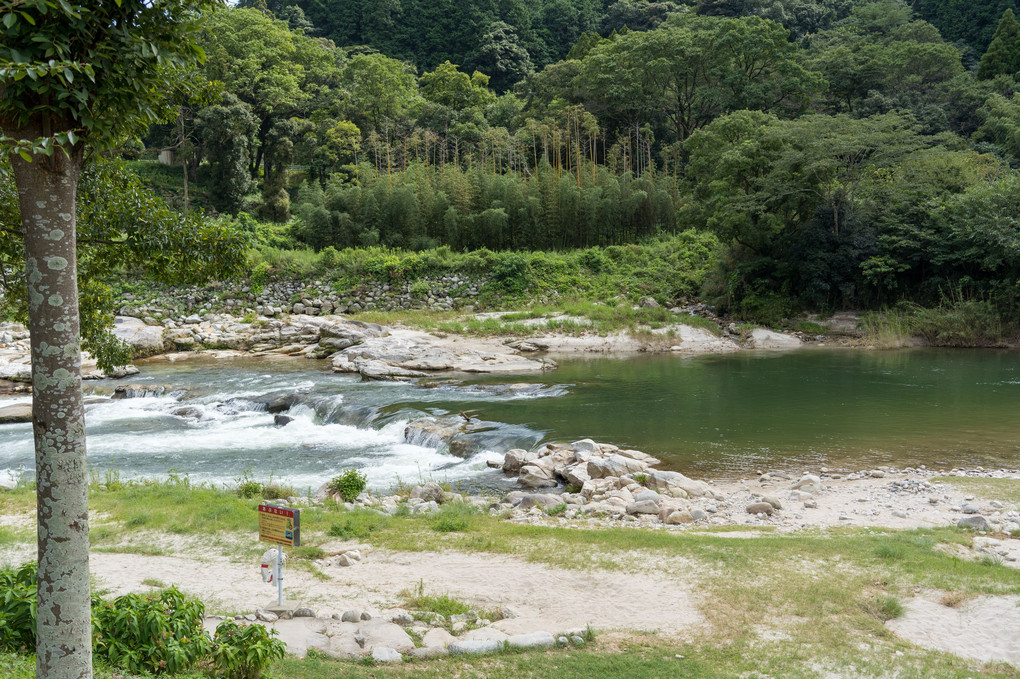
395	634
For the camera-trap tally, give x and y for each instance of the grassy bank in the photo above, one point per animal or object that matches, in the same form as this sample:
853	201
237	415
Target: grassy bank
800	605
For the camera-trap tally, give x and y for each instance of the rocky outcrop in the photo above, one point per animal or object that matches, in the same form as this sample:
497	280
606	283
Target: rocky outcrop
408	353
768	339
144	340
19	413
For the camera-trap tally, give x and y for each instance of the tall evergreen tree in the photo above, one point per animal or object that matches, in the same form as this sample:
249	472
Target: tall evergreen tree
1003	55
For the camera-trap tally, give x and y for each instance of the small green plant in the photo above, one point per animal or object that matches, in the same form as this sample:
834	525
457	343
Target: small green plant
258	277
442	604
642	479
348	485
888	608
556	510
247	487
245	652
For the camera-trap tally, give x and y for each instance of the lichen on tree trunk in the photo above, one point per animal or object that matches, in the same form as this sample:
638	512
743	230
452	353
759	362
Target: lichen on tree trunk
47	190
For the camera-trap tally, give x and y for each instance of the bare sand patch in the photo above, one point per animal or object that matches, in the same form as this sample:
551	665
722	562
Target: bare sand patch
986	629
543	597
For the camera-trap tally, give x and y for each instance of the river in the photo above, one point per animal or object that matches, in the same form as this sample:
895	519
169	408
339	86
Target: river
707	416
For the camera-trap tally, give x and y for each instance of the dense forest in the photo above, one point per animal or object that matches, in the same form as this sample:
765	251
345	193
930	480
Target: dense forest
843	152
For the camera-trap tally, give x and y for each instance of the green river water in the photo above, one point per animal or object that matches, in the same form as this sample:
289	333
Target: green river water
742	412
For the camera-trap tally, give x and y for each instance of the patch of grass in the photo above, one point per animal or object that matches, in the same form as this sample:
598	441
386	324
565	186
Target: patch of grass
442	604
307	553
153	582
1006	491
358	524
142	550
453	518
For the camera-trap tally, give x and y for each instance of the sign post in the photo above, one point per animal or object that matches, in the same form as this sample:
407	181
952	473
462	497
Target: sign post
282	527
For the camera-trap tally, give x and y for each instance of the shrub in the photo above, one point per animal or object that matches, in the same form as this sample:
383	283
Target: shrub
245	652
17	608
247	487
348	485
158	634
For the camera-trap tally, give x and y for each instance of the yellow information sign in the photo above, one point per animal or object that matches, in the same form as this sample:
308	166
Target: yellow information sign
280	525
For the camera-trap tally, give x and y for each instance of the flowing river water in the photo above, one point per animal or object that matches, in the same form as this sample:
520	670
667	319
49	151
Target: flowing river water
707	416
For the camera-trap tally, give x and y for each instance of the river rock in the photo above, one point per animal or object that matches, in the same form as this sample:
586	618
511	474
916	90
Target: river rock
809	483
760	508
280	401
515	459
16	371
144	340
431	491
679	517
535	476
437	636
532	640
643	507
385	634
474	647
614	465
414	354
383	654
432	432
429	652
977	522
15	414
676	484
540	500
767	339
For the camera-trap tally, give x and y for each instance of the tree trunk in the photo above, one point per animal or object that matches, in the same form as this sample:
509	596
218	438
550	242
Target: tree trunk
47	188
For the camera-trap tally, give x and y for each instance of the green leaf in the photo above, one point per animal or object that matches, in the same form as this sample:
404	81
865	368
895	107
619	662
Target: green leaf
25	155
9	19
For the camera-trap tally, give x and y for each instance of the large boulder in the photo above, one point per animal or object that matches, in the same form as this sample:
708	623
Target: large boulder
767	339
18	413
433	432
535	476
144	340
415	354
614	465
675	483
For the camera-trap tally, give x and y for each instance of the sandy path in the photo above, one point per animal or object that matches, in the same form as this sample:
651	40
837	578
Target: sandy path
544	597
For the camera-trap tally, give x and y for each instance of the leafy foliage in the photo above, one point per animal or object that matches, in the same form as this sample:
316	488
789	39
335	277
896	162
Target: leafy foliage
158	634
348	485
17	608
245	652
161	634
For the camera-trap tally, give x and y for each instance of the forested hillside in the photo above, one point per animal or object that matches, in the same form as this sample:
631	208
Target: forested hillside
844	152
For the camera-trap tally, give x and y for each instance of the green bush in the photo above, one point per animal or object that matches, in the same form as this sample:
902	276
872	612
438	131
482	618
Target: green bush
348	485
245	652
160	634
17	608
